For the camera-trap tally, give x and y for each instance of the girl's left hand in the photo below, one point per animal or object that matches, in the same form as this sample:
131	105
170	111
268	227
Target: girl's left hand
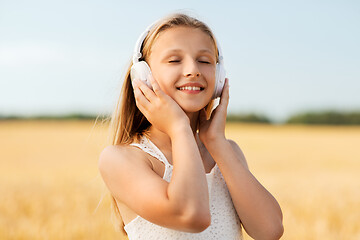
213	130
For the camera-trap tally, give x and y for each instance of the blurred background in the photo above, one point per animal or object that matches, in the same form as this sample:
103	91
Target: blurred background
282	57
294	107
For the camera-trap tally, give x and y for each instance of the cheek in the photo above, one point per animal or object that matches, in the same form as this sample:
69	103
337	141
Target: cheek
208	70
157	73
165	78
210	76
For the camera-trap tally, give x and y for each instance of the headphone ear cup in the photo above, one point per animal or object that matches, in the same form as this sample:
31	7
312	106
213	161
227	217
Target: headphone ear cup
219	80
141	71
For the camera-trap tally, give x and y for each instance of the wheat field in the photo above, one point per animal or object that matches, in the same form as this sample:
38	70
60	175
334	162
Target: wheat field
50	187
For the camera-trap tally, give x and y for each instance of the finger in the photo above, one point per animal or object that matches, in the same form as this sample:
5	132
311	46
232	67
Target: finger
224	99
213	113
156	88
141	101
147	92
221	109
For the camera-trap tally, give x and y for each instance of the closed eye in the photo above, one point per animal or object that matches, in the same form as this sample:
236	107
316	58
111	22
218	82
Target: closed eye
206	62
174	61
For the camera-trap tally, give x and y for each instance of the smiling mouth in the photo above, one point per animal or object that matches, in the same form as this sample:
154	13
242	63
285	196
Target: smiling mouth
188	88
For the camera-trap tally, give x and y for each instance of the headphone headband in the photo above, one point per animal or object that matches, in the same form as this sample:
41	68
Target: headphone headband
137	50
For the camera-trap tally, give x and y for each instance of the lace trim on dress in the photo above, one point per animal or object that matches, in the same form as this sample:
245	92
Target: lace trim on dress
147	146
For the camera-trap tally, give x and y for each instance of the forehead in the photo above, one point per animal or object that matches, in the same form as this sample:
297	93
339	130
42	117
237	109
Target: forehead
183	38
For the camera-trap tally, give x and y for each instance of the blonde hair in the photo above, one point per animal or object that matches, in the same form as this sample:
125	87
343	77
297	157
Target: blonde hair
128	124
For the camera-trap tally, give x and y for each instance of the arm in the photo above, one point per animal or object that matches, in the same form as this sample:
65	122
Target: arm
258	210
129	176
188	188
182	204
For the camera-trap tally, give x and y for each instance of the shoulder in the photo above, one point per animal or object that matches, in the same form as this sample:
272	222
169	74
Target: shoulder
239	152
122	156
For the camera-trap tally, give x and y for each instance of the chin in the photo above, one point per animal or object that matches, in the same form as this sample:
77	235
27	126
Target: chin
193	105
193	109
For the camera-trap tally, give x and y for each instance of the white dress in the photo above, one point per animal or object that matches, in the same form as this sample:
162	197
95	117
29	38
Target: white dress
225	223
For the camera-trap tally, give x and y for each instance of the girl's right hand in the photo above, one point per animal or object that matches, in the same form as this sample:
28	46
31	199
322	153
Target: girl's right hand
159	108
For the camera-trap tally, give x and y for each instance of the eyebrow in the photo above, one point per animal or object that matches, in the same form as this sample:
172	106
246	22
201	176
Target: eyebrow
168	53
179	50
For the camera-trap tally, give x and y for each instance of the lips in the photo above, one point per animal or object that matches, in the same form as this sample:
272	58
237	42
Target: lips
191	87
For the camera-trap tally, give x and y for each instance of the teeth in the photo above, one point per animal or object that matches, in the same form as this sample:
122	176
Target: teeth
190	88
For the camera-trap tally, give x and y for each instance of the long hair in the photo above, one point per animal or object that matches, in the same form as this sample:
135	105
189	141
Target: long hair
128	124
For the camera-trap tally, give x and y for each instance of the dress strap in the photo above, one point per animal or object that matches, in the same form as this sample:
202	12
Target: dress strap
147	146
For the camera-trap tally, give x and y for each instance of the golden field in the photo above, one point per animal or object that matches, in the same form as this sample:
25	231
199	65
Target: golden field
50	187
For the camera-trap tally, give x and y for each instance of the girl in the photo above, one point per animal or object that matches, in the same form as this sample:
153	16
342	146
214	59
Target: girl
171	171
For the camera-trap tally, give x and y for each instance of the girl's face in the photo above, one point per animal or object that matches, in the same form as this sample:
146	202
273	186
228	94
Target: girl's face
183	62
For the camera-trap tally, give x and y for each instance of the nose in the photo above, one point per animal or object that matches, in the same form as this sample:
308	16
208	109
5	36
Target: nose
193	74
191	69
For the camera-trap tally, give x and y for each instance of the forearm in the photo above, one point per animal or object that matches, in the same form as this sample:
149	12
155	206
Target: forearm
188	187
257	208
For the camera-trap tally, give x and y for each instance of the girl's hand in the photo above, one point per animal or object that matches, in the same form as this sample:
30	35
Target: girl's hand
213	130
159	108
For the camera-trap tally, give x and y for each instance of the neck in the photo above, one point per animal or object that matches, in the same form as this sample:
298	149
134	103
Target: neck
162	140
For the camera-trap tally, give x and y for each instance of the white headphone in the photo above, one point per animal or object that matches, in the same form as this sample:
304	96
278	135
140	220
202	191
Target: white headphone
141	70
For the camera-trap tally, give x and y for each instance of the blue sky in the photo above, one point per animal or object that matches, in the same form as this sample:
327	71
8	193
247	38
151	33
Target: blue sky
282	57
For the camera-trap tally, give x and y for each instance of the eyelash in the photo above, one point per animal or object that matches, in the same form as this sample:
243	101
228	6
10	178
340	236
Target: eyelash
176	61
